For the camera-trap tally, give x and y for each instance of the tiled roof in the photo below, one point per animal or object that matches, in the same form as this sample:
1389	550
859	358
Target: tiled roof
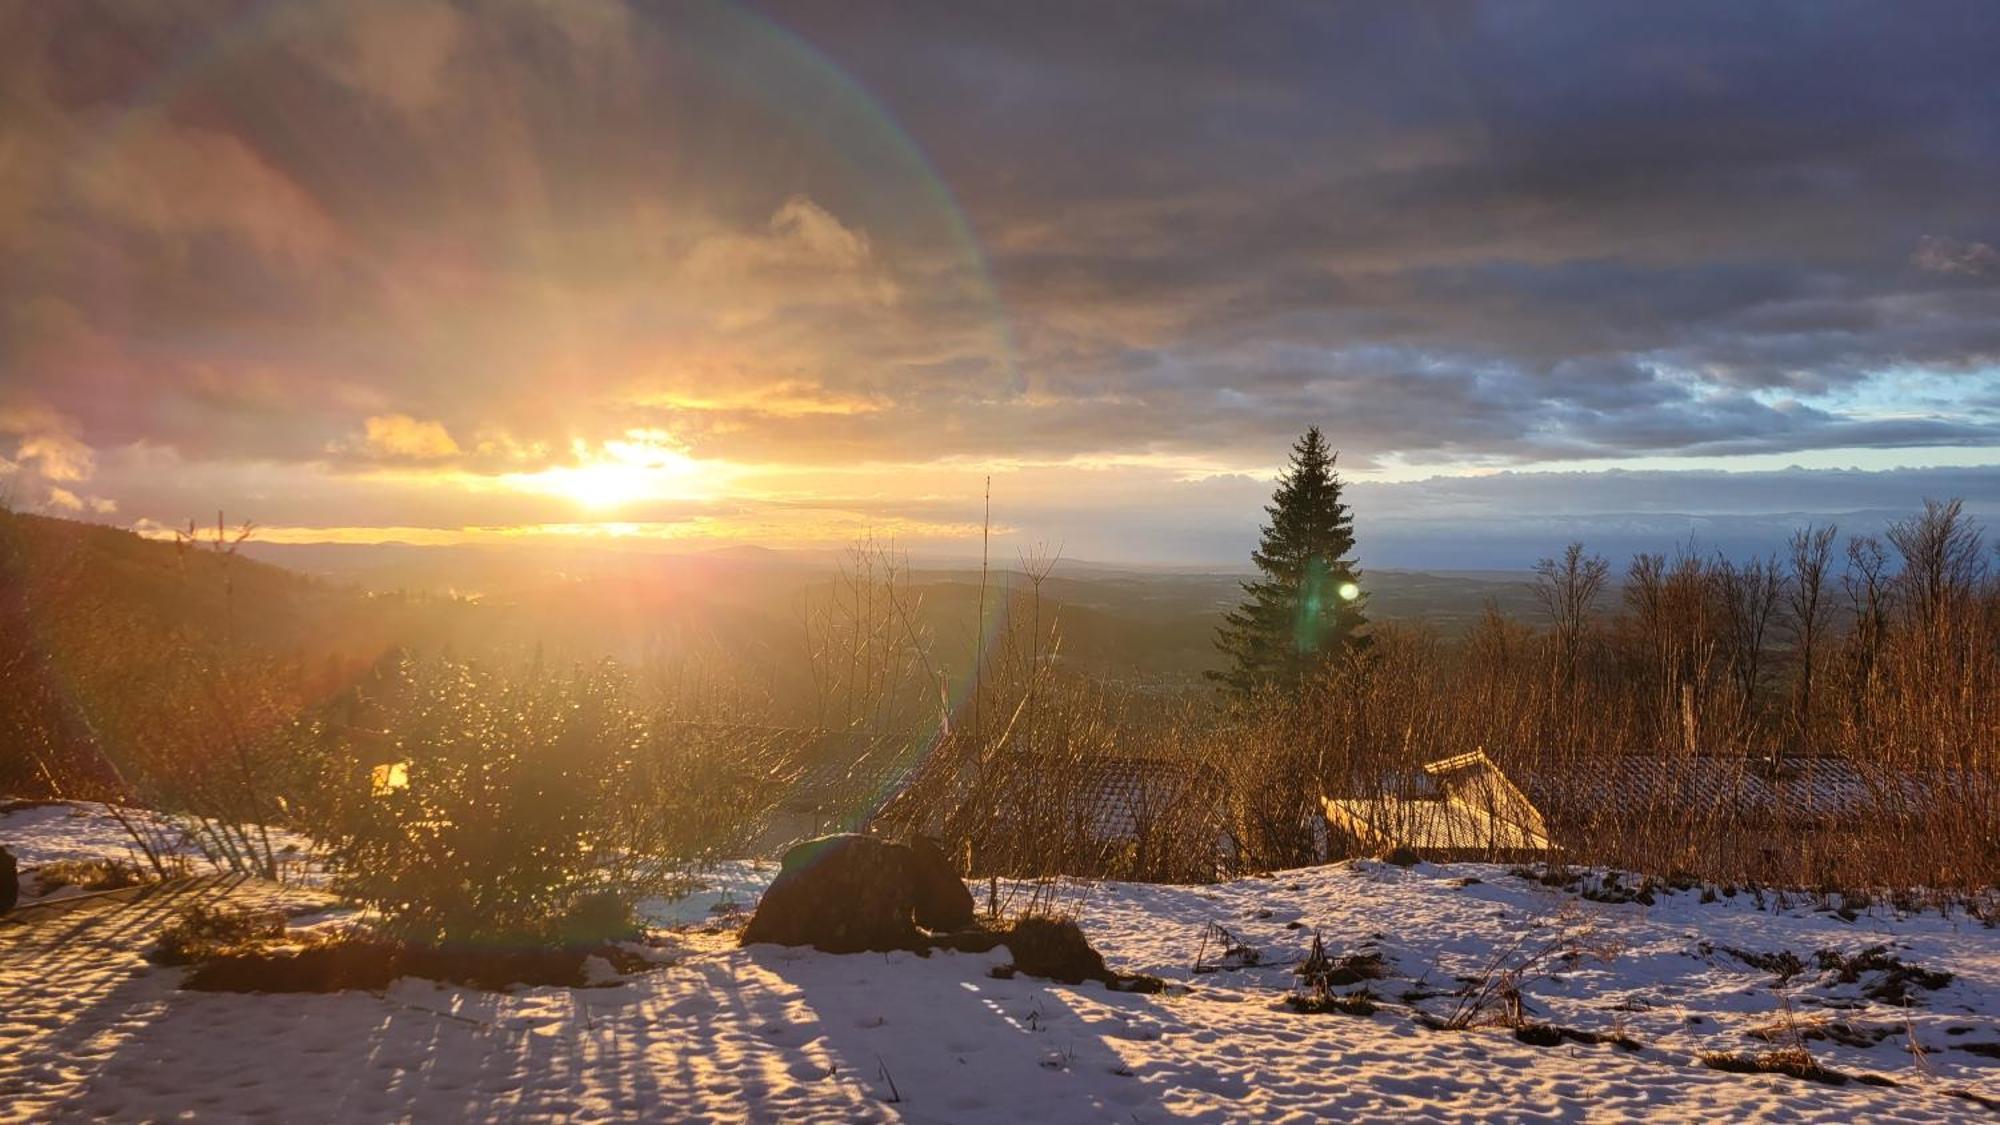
1108	799
834	781
1736	788
1119	797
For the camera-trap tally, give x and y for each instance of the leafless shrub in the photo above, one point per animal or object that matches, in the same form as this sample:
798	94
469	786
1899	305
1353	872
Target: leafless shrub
1494	995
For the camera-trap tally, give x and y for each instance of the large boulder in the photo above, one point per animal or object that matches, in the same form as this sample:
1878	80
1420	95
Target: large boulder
10	880
942	902
849	893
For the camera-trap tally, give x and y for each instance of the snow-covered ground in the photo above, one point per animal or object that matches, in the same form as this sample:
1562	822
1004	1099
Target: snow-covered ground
769	1033
47	832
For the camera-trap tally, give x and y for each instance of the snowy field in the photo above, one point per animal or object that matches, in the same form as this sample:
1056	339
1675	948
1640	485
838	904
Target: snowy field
769	1033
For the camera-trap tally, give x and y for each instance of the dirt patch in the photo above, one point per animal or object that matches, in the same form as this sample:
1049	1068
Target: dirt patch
1837	1031
1793	1061
1360	1002
1784	964
1320	974
1885	977
1550	1035
1897	980
1991	1105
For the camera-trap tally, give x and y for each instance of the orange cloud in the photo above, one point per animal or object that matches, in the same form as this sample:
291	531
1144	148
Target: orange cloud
399	435
791	398
48	443
778	527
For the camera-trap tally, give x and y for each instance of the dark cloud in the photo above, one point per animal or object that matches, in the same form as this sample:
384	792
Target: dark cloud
1709	195
489	239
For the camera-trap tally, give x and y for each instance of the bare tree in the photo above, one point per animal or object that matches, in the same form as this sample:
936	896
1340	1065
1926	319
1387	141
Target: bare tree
1943	564
1808	620
1748	596
1868	593
1568	590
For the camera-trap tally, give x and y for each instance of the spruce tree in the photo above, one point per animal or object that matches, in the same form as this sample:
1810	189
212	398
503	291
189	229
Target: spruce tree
1305	609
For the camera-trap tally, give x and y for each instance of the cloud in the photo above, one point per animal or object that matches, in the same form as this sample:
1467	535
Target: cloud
792	398
46	442
1945	255
397	51
805	240
178	182
400	436
803	252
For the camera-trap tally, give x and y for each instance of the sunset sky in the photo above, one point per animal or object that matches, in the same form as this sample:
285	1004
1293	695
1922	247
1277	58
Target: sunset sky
785	274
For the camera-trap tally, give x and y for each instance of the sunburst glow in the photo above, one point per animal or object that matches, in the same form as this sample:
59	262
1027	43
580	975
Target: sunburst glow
645	466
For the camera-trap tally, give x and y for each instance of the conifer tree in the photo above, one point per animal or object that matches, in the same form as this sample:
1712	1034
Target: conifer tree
1304	610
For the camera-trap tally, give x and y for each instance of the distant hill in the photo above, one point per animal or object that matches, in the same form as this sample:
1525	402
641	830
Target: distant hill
95	622
1117	623
87	612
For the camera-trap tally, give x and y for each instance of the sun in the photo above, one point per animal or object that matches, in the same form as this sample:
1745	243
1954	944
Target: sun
642	467
604	485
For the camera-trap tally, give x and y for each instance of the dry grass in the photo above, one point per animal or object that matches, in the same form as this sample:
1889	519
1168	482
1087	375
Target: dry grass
88	875
202	932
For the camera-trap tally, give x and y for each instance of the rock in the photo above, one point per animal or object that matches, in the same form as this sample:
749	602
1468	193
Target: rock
840	894
848	893
1402	855
1055	948
942	902
10	880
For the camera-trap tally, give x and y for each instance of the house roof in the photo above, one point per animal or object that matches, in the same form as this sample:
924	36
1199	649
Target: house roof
1111	799
1733	787
1119	798
1430	825
834	781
